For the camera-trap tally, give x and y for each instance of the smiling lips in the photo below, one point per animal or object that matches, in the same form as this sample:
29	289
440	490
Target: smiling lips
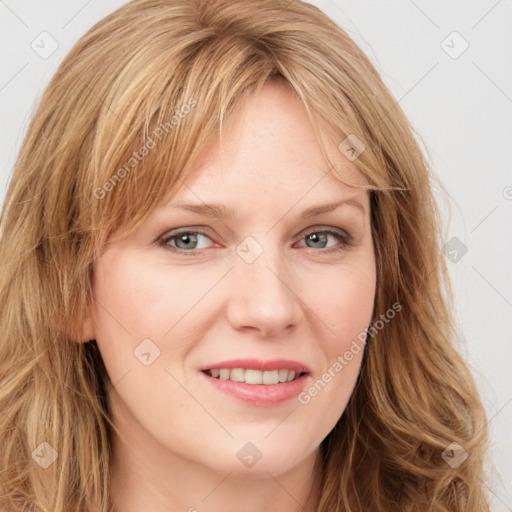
260	383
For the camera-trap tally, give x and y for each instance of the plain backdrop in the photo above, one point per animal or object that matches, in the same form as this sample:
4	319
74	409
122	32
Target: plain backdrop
448	65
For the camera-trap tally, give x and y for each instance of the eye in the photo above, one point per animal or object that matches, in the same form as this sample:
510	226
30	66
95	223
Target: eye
319	239
184	241
190	241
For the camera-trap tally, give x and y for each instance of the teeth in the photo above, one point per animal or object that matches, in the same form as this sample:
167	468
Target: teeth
271	377
254	376
237	374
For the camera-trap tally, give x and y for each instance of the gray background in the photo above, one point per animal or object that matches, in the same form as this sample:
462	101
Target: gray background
460	103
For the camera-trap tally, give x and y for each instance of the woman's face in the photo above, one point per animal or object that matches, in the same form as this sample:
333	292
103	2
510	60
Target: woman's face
263	284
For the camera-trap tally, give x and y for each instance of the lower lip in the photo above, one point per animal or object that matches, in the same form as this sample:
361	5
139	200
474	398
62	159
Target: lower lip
262	395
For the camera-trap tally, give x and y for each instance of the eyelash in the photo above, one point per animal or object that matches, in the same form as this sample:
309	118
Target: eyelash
345	239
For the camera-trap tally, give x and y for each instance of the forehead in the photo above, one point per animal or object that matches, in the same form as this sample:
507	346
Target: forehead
269	141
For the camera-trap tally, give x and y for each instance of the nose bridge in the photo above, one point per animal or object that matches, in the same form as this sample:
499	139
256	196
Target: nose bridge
261	293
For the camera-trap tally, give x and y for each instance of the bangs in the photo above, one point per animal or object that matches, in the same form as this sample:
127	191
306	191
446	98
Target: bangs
143	156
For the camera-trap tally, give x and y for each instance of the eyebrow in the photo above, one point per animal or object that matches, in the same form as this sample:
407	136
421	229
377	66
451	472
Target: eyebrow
223	212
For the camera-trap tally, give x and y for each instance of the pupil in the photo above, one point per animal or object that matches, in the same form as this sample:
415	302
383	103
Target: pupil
187	239
315	238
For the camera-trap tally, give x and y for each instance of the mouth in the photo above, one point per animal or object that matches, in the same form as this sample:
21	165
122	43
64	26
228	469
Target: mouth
251	376
255	382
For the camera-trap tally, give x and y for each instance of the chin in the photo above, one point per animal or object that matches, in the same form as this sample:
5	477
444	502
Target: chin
256	459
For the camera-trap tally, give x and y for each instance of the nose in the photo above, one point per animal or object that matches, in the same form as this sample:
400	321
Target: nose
263	296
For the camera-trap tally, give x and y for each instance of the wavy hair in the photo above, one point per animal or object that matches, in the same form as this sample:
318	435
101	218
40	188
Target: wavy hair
157	78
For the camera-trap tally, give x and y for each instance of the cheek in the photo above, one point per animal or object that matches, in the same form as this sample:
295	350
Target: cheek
136	303
343	299
351	304
345	305
144	299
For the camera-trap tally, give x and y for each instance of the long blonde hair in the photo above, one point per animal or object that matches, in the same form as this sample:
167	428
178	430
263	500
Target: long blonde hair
176	68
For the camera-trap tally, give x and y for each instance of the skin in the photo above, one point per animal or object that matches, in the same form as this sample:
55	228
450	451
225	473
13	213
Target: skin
180	437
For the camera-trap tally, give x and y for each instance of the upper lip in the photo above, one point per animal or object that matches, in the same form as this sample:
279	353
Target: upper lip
258	364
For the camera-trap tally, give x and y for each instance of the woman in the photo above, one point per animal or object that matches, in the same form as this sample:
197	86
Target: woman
222	284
